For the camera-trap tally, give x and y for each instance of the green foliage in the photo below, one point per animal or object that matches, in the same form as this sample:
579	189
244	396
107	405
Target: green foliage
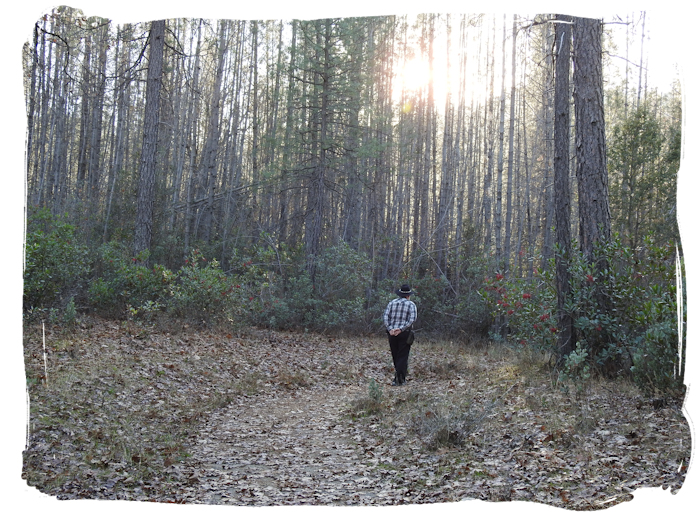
342	278
639	329
56	264
375	391
202	291
528	307
444	306
126	285
199	291
274	289
576	368
434	299
656	360
279	293
624	306
70	313
643	164
333	300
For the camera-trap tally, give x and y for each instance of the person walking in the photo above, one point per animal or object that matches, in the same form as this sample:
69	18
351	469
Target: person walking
399	316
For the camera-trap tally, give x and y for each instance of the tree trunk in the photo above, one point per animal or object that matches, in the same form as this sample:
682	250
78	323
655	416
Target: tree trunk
95	154
511	151
562	197
498	214
316	208
191	130
147	169
547	204
209	165
286	147
121	95
591	170
489	153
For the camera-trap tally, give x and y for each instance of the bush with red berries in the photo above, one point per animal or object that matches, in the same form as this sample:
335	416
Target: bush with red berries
624	303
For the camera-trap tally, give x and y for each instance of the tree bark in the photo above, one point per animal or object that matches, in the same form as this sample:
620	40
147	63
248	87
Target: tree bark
511	152
562	197
498	208
147	169
591	169
209	165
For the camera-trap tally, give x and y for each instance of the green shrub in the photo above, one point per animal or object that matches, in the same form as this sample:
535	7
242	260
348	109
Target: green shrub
103	298
624	306
638	331
444	306
127	286
657	365
202	291
657	355
527	306
70	313
576	368
334	300
56	264
258	279
434	300
343	276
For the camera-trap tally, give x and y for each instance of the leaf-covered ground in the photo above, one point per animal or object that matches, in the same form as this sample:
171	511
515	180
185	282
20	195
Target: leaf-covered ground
263	418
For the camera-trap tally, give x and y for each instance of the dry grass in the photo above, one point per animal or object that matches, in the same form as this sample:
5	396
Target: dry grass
445	424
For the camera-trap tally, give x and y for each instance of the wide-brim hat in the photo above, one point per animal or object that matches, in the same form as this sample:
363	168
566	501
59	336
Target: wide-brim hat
404	290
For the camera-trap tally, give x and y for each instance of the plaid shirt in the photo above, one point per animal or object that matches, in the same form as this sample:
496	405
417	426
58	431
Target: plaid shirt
400	314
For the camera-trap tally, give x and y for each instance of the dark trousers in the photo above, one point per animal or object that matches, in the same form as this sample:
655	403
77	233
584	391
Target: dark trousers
399	352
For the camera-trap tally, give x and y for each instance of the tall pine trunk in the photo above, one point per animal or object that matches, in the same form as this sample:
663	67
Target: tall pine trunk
147	169
562	197
209	165
591	166
511	152
591	171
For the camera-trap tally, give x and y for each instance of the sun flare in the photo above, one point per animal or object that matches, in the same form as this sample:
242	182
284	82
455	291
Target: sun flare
415	74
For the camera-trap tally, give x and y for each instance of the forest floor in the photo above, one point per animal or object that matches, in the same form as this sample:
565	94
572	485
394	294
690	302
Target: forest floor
262	418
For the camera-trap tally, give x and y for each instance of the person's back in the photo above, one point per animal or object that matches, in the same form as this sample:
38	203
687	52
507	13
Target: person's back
399	316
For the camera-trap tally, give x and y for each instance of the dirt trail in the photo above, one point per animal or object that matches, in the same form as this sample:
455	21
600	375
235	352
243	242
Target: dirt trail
267	420
286	449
